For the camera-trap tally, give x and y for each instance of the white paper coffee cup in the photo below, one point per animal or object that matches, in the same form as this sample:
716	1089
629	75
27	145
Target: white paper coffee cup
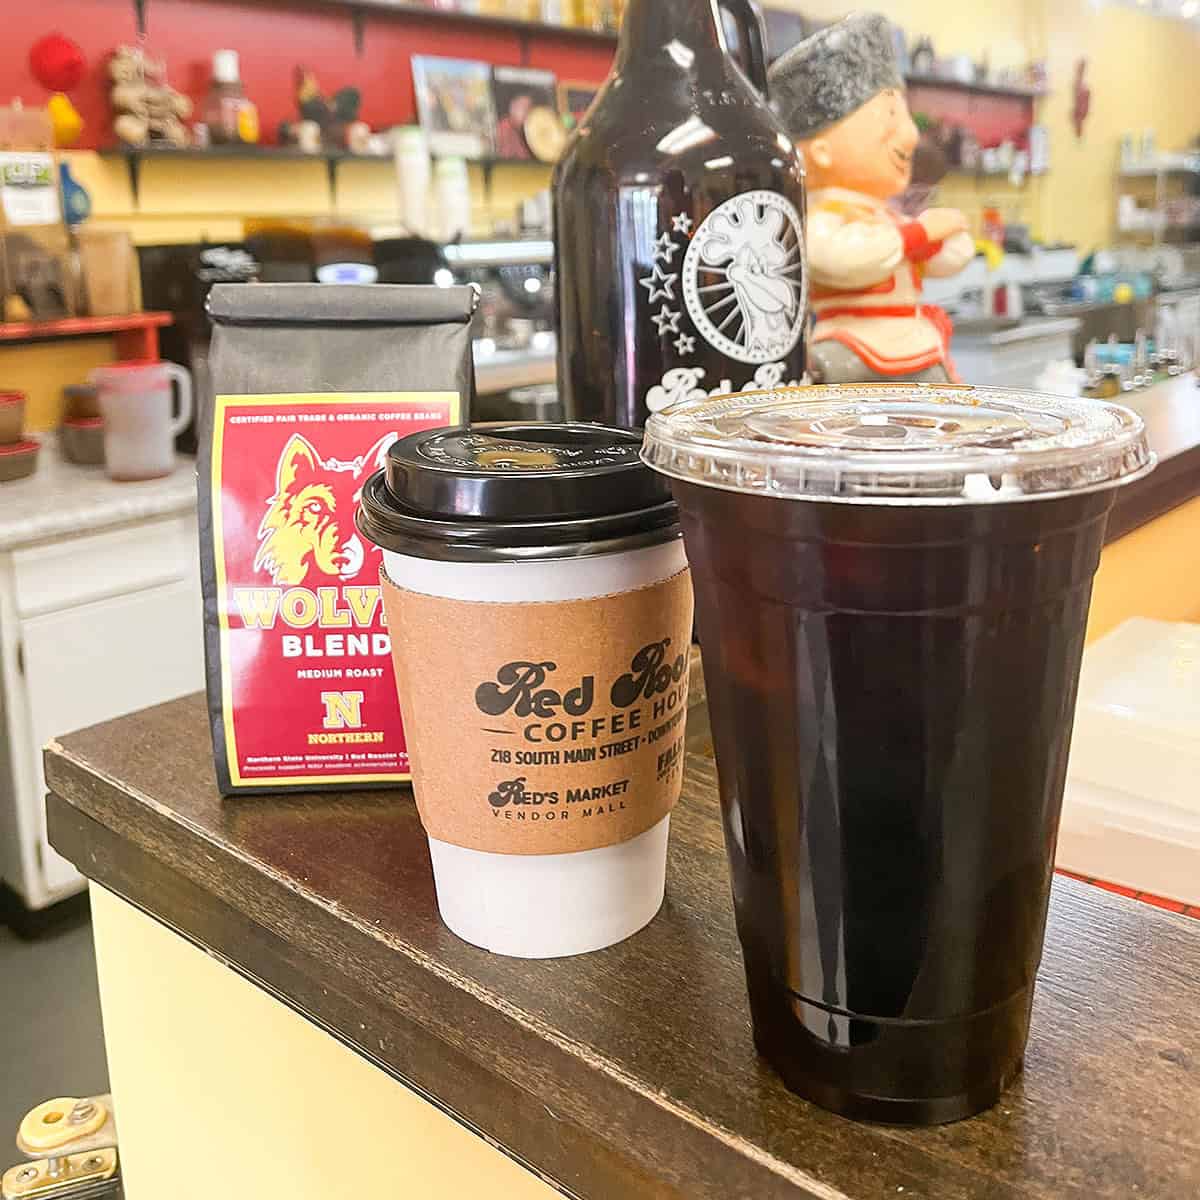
542	670
596	897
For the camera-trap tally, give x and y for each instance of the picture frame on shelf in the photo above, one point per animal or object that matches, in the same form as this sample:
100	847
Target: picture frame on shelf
575	97
455	106
516	93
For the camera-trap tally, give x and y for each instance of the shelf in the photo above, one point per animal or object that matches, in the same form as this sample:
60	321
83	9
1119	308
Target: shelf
1175	235
490	163
1012	91
137	154
281	152
1152	171
292	154
359	9
134	156
31	331
444	16
979	173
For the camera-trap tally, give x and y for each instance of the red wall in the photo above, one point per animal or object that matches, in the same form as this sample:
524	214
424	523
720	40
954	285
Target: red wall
272	40
992	119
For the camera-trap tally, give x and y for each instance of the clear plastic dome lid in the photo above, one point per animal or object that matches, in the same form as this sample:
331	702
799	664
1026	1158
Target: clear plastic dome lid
898	443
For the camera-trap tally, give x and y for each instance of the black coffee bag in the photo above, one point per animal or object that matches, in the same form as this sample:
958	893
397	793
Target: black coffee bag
311	385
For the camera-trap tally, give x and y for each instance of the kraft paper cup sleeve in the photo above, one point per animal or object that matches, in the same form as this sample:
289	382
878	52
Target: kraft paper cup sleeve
544	728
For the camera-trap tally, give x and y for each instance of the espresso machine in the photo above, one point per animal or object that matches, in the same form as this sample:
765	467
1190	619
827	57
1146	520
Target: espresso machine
515	345
516	283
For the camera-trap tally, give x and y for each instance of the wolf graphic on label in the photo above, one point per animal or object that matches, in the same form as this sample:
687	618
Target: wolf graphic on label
309	522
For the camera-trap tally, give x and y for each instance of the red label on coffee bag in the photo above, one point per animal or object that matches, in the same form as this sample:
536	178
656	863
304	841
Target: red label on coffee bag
308	696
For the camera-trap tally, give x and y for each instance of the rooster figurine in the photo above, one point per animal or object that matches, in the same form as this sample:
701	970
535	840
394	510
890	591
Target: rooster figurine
333	114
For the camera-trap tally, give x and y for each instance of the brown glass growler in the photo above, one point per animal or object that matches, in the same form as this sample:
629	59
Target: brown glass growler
679	210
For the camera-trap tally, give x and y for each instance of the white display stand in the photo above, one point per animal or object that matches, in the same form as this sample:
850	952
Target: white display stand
1131	814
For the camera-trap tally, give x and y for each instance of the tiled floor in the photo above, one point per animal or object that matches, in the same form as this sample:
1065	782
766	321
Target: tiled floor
1177	906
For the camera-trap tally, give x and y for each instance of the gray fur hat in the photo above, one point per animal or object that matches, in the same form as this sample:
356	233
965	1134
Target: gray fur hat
833	73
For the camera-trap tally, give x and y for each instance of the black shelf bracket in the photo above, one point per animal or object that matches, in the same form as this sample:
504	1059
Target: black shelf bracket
133	164
358	24
331	173
139	17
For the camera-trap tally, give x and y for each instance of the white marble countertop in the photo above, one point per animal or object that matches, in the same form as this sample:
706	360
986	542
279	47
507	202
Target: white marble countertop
61	499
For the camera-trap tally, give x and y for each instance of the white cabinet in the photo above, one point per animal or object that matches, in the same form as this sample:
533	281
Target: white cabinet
91	627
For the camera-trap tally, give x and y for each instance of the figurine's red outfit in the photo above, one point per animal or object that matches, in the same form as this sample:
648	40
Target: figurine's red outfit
866	265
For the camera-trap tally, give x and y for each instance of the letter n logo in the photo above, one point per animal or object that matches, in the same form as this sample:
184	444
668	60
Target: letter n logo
343	710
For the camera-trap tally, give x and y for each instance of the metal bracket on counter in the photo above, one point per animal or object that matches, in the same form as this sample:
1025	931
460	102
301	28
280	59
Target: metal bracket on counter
72	1144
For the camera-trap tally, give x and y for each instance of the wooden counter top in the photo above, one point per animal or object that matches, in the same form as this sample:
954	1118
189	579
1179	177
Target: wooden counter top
1171	411
631	1072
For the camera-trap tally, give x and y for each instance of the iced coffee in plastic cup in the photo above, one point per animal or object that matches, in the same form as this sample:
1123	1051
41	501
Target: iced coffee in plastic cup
540	611
892	588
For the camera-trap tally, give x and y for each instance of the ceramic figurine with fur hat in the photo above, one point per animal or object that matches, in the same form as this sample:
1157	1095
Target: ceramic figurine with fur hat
841	96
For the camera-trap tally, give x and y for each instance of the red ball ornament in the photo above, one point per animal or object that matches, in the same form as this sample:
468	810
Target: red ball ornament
57	62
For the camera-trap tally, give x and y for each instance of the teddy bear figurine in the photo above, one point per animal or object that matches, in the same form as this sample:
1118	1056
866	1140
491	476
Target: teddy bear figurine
146	110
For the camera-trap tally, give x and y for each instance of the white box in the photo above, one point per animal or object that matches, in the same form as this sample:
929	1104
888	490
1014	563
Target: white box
1014	358
1131	814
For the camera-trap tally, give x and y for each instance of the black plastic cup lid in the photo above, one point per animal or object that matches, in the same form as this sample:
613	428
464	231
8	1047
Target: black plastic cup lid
502	491
522	472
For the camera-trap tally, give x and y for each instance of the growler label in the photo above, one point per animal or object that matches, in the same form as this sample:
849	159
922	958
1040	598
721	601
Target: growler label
744	277
740	279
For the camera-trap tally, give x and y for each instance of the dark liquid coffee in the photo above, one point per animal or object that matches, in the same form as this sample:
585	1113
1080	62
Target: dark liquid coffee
892	692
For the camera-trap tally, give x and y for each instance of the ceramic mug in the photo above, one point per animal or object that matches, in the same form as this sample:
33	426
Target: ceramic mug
140	425
12	417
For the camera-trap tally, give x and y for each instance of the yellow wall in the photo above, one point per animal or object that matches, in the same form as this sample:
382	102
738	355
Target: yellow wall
42	369
1144	72
1140	574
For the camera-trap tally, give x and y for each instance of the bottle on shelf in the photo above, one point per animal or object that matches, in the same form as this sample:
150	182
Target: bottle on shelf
679	219
453	186
229	114
604	16
414	172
